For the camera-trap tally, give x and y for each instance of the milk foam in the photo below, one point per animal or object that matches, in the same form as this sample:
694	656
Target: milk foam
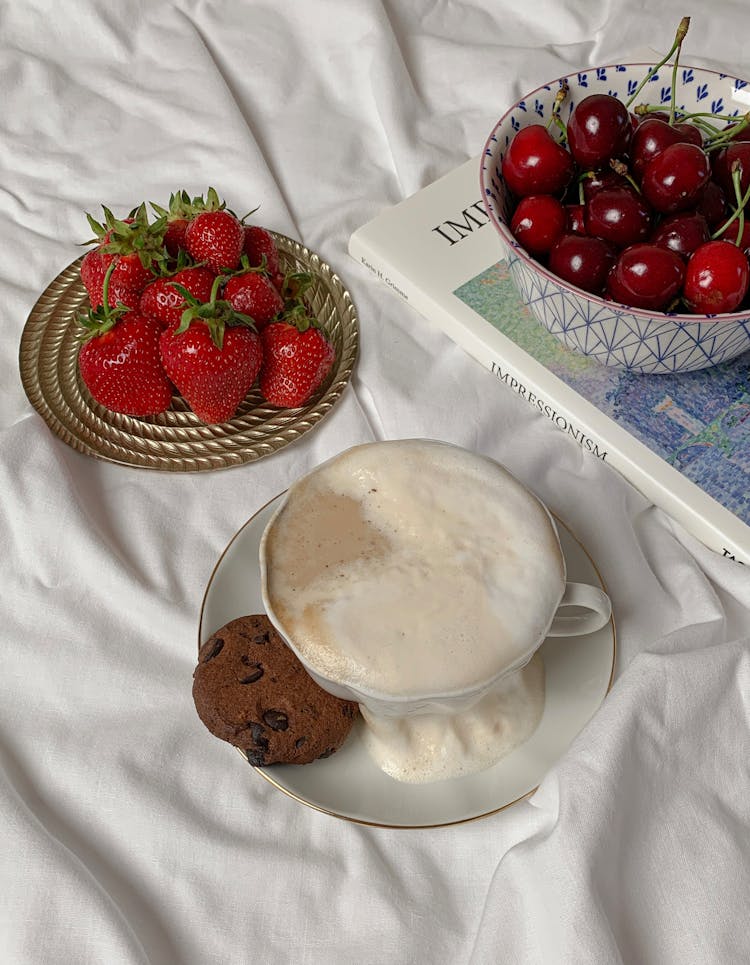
435	747
411	568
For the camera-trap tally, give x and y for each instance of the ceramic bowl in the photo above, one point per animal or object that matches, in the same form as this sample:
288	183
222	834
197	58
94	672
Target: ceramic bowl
616	335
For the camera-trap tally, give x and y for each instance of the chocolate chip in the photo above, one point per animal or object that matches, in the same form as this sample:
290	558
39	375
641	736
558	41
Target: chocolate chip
327	753
261	637
347	710
255	674
215	650
276	719
256	732
256	758
300	741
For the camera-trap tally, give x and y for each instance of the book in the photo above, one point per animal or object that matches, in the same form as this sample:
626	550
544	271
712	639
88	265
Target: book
683	440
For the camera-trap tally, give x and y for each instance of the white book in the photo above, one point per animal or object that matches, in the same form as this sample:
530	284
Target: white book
683	440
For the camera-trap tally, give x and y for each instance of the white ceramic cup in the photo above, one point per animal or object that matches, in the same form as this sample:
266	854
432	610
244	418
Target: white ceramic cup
582	609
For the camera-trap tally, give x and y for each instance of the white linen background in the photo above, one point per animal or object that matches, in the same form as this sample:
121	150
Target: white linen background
130	834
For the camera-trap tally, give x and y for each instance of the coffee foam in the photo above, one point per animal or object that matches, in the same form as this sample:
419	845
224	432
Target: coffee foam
412	567
435	747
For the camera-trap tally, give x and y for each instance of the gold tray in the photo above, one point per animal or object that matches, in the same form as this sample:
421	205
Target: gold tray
176	440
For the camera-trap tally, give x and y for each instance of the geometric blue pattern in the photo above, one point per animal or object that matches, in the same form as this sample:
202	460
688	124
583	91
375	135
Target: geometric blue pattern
616	335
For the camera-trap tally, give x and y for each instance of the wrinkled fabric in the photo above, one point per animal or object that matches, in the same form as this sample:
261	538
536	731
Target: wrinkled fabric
129	834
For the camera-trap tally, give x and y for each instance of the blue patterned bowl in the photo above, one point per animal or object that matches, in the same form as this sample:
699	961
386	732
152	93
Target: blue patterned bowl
616	335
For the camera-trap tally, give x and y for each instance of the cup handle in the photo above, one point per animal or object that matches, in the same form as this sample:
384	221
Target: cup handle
594	601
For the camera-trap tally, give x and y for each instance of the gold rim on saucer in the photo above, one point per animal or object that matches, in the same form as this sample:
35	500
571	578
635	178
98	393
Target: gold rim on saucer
176	440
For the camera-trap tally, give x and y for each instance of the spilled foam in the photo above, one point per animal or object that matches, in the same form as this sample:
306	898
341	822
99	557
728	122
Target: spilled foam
435	747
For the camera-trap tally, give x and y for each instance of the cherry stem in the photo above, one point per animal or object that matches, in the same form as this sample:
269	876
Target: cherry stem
622	169
727	135
556	104
679	37
685	22
739	212
684	116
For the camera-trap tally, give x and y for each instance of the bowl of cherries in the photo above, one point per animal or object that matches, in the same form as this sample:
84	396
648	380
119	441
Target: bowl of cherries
620	193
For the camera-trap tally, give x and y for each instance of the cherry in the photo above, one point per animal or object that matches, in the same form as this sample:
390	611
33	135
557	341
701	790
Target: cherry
652	136
575	219
582	261
595	181
673	180
535	163
712	204
599	129
723	160
743	135
732	233
682	233
716	279
538	221
618	215
646	276
689	133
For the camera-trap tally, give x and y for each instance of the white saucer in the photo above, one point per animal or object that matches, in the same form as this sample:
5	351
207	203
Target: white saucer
579	673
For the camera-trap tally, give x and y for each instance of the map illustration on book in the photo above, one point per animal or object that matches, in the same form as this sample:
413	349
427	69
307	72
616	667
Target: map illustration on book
698	422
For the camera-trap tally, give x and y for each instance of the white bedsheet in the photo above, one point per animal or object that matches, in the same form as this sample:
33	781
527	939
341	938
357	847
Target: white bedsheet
130	834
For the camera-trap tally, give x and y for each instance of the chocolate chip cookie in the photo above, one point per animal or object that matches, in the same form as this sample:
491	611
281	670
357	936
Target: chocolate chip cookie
251	690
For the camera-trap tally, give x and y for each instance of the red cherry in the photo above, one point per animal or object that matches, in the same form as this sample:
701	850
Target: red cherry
535	163
724	159
646	276
599	129
716	279
651	138
595	181
618	215
538	221
732	233
582	261
575	215
743	135
712	204
689	133
673	180
682	233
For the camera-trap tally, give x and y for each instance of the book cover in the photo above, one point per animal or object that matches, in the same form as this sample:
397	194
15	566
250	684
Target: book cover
683	440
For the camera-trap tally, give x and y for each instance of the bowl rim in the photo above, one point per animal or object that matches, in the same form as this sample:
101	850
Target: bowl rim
681	319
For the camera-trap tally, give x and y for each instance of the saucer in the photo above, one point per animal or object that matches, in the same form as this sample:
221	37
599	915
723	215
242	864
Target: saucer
348	785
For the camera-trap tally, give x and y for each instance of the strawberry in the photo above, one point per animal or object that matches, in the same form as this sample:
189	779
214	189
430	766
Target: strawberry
258	244
119	361
297	357
134	246
93	270
251	293
162	301
182	209
92	274
176	217
212	356
121	366
214	238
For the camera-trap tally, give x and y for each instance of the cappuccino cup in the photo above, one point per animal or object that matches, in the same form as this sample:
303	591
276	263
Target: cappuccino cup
416	577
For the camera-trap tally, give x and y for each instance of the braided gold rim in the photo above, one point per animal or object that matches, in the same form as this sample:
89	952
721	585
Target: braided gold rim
176	441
